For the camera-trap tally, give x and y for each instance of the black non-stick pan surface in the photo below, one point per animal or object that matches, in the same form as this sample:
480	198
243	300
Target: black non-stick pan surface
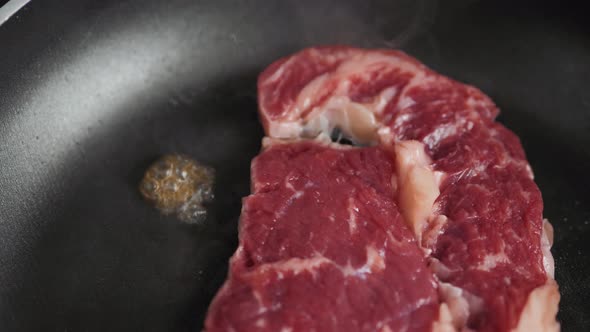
91	92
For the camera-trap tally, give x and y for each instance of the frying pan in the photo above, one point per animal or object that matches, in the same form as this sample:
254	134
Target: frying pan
91	92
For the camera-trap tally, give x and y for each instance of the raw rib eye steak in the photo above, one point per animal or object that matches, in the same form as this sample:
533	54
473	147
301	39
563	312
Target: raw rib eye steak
436	225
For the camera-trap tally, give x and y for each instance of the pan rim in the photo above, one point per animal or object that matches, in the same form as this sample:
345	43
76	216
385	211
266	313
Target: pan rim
10	9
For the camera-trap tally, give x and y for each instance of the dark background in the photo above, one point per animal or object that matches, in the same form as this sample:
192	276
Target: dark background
92	91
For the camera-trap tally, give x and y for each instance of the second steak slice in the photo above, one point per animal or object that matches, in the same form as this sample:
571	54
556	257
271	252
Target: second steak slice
323	247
